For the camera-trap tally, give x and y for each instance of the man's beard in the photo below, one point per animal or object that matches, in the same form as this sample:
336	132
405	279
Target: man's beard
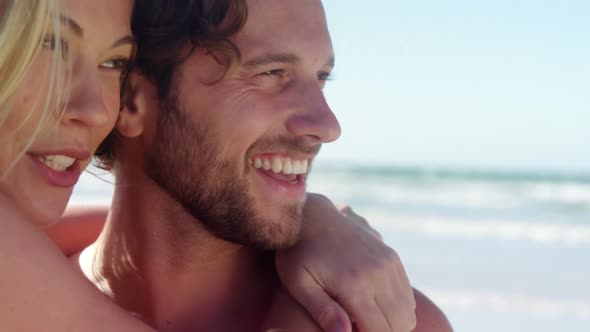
184	160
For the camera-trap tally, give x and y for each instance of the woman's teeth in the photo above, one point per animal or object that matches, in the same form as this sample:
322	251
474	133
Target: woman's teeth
282	165
57	163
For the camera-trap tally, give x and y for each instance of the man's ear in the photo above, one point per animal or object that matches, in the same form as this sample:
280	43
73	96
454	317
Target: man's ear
139	95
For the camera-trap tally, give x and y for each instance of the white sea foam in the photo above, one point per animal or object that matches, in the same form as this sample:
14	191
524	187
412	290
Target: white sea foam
547	234
459	194
474	300
454	192
565	193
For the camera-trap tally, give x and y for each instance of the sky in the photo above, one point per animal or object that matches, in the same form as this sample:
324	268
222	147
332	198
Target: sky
502	84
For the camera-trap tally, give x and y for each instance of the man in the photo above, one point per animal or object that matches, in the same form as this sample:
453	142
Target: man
222	124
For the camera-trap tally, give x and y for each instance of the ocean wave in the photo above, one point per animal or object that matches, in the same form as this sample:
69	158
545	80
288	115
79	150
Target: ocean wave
569	193
459	195
546	234
455	173
456	193
473	300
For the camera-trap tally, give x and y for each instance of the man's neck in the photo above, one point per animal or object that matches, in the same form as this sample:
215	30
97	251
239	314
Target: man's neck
157	261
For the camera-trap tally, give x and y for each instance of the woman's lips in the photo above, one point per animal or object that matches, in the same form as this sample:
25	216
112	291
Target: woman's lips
63	179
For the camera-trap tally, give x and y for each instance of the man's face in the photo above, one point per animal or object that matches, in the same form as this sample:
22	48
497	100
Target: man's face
236	152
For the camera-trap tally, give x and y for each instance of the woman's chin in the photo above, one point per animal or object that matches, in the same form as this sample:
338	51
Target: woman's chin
46	211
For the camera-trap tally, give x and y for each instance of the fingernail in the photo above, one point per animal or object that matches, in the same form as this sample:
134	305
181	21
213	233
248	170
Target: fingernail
341	326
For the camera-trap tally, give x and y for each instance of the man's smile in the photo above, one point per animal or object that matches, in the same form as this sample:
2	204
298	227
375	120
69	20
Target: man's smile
280	164
282	173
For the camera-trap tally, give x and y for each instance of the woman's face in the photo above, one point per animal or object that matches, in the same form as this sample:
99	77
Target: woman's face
97	42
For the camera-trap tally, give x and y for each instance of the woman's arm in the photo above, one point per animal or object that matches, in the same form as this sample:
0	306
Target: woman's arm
287	315
342	269
341	266
41	291
339	269
78	228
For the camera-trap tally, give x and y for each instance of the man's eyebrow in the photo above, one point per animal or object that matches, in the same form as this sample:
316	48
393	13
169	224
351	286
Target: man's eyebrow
124	41
281	58
72	25
267	59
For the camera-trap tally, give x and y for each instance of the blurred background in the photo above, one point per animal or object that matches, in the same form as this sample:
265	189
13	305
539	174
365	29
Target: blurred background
466	144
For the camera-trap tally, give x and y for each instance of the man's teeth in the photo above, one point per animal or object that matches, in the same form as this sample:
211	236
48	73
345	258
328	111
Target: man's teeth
57	163
282	165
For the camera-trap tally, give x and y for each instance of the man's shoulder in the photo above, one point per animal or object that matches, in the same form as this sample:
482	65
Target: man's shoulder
286	313
429	317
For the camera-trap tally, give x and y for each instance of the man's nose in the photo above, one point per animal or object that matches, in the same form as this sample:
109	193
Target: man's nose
86	104
314	118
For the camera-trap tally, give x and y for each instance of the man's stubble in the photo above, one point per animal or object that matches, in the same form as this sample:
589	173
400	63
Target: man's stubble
185	161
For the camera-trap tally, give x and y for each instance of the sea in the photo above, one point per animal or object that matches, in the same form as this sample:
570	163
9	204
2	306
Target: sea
496	250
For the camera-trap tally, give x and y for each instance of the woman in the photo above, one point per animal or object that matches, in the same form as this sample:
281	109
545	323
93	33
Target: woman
48	137
45	146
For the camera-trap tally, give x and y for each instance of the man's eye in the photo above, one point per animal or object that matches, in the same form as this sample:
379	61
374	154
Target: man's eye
272	73
324	76
118	64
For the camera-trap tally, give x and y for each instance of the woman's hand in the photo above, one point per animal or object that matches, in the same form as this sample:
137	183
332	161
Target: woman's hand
341	271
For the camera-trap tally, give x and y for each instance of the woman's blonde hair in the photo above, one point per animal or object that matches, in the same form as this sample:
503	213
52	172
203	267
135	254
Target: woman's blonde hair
23	28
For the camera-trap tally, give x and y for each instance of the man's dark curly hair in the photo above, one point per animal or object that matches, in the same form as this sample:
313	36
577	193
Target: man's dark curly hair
163	29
